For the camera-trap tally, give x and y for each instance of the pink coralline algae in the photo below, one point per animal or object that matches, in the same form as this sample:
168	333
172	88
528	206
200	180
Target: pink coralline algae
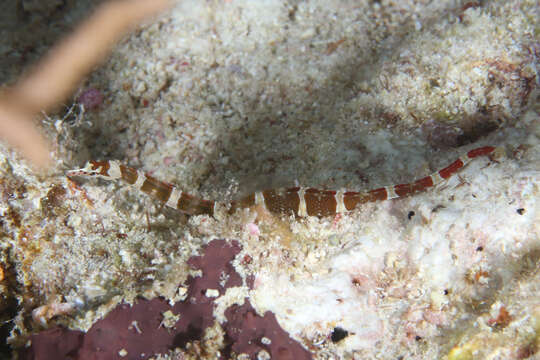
91	98
138	331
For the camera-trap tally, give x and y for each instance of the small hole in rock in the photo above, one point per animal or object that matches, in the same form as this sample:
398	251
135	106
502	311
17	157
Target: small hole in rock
339	334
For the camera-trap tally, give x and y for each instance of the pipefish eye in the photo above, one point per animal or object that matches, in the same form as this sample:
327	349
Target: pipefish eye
98	167
94	165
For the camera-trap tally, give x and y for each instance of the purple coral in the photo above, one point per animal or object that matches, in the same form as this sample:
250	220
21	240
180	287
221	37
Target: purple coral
138	331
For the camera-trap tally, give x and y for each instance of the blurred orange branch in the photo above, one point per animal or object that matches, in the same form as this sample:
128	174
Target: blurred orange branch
54	77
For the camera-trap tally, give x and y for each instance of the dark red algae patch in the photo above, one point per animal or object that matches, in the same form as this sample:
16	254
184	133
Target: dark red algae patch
249	333
55	343
138	331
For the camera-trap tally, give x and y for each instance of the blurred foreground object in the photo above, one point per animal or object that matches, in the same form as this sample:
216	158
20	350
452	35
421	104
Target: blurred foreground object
54	77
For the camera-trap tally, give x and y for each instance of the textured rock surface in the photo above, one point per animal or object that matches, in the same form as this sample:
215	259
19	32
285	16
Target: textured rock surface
144	329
